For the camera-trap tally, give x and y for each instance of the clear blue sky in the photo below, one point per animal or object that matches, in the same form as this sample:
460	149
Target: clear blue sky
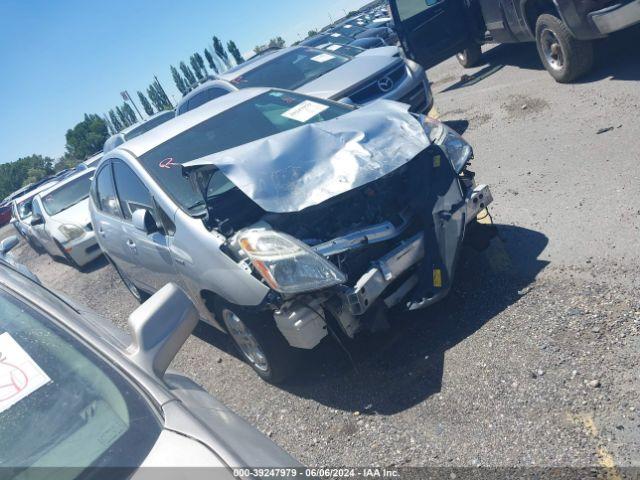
61	59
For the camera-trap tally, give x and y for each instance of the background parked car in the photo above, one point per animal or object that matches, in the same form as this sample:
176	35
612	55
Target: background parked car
104	397
21	210
350	30
61	222
138	129
381	74
308	215
325	38
206	92
5	213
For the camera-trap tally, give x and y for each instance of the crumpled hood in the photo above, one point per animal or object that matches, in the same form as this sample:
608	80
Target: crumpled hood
342	80
310	164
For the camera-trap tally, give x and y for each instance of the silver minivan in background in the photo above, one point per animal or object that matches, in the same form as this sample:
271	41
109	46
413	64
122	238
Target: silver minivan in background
286	217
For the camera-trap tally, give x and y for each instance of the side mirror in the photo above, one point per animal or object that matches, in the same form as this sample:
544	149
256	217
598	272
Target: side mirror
8	244
12	221
159	328
36	219
144	221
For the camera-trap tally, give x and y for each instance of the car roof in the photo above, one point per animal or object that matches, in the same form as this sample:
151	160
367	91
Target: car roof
66	180
215	83
93	158
142	122
157	136
35	191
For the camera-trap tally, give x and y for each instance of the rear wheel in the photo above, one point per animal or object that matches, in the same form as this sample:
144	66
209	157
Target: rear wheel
259	341
564	56
470	56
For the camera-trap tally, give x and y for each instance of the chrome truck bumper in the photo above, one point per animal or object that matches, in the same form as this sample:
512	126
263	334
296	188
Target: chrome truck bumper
616	17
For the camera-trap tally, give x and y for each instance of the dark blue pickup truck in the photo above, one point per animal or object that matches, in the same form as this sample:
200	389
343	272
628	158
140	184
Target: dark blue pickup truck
433	30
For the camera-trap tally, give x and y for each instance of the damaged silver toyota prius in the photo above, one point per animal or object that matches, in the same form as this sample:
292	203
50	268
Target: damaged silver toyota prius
288	217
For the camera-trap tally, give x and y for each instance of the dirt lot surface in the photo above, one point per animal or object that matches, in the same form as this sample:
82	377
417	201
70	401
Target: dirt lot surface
533	358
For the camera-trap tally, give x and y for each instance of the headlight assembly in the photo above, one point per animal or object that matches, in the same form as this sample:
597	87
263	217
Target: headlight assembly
71	232
286	264
455	147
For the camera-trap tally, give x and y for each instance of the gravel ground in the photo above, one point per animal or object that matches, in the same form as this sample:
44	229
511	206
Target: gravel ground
532	359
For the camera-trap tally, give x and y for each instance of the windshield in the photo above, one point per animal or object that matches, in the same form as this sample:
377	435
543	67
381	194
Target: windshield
291	70
262	116
60	404
150	124
349	30
344	49
67	195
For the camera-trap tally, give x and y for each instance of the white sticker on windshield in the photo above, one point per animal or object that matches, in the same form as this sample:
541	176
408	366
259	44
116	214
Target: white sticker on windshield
323	57
336	35
305	111
347	26
20	376
333	48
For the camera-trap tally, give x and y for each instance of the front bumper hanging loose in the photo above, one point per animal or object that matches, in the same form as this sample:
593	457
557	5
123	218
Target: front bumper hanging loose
388	269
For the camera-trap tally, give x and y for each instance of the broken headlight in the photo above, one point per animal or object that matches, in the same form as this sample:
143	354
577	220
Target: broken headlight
286	264
455	147
71	232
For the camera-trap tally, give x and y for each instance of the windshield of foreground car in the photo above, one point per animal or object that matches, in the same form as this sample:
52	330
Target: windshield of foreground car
60	404
68	195
291	70
267	114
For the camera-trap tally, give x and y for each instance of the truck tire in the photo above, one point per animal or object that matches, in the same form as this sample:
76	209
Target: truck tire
259	342
564	56
470	56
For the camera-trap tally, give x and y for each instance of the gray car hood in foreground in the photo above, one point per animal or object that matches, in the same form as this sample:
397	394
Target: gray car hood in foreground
310	164
342	80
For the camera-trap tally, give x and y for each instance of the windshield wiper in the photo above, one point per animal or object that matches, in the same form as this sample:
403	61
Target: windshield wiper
199	203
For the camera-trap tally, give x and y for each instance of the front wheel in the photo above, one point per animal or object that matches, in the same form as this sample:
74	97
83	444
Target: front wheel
564	56
470	56
259	341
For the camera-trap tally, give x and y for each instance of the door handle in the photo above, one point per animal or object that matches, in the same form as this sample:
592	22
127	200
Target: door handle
101	232
131	244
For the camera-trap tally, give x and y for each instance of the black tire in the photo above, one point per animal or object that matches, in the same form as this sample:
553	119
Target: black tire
565	57
139	294
280	359
470	56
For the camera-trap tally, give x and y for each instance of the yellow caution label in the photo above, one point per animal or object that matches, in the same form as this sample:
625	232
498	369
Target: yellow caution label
437	278
437	160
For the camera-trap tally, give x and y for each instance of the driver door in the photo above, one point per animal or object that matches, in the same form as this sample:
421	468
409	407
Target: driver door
431	30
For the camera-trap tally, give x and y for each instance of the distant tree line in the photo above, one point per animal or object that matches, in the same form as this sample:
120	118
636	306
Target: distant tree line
189	75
